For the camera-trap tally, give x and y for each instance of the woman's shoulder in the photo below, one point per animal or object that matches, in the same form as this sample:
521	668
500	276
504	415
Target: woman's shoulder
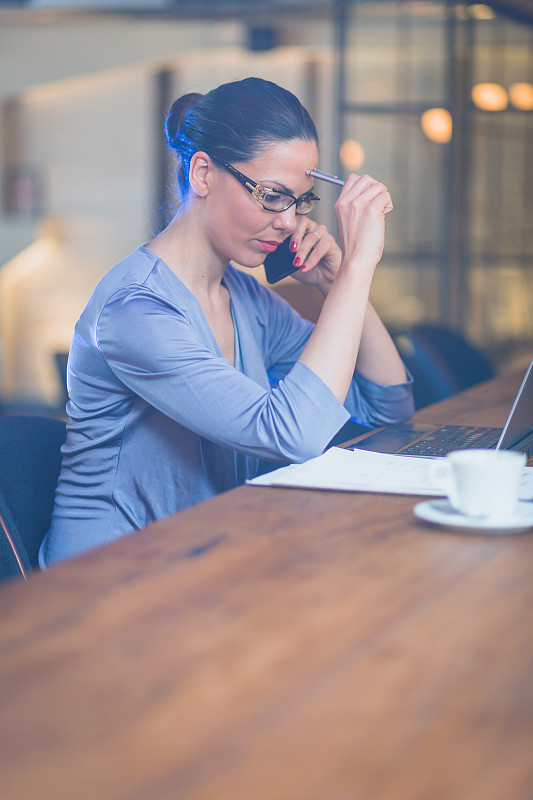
260	301
134	269
142	271
249	286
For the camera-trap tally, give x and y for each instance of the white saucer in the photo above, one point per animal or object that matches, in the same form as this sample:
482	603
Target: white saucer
441	513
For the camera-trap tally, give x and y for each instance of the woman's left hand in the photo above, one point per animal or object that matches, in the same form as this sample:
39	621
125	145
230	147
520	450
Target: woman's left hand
318	253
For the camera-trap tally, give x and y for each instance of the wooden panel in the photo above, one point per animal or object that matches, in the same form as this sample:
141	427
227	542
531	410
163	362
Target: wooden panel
277	644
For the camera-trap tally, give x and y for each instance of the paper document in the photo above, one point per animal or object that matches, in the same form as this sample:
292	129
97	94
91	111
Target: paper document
364	471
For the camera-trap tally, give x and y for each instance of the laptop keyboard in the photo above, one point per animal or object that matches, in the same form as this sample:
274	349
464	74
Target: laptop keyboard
453	437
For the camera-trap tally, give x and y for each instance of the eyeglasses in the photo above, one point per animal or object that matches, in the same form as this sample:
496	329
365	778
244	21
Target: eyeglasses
272	199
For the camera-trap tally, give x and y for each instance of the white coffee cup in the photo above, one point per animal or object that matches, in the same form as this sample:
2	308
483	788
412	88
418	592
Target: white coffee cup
480	483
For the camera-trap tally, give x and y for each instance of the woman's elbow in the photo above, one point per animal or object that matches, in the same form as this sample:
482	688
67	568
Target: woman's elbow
297	449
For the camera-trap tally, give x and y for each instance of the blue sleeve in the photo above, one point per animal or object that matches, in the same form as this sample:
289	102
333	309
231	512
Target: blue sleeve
374	404
368	402
155	350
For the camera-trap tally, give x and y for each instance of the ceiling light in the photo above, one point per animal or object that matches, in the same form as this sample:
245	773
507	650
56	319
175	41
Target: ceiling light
521	95
437	124
489	96
352	155
481	11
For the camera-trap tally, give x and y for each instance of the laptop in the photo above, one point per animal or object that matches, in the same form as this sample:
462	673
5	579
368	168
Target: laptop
419	439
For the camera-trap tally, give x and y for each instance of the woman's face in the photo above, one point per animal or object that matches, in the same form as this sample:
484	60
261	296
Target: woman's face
240	228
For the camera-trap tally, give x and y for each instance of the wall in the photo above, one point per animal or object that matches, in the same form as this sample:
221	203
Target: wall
83	114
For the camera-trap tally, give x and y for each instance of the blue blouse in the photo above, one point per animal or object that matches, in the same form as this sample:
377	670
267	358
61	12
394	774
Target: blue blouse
159	420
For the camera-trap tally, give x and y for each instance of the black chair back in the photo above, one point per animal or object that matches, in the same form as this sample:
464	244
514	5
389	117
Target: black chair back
30	460
442	362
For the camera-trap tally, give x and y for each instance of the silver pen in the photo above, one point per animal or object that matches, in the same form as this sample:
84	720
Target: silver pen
324	176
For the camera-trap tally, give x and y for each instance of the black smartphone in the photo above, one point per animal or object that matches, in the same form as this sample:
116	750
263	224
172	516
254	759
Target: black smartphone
279	263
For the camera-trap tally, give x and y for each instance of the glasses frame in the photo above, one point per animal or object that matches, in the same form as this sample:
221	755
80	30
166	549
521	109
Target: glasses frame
259	192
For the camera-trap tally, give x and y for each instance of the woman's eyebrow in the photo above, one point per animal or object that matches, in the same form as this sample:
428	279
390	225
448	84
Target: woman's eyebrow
282	186
287	189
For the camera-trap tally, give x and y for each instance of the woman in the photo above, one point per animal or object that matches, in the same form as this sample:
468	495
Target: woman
173	359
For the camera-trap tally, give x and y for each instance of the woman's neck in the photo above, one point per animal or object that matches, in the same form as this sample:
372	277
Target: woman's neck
188	254
186	251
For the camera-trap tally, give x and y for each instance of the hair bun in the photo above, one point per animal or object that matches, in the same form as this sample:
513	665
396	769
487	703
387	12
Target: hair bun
178	112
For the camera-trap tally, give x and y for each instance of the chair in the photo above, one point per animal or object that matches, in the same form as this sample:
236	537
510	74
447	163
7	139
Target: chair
442	362
30	460
61	360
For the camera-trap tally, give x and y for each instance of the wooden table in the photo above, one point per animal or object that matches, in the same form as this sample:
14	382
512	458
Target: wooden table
277	644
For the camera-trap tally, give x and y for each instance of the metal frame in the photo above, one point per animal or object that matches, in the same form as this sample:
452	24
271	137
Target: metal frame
455	222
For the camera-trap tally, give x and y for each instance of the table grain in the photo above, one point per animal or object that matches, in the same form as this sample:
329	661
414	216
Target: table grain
278	644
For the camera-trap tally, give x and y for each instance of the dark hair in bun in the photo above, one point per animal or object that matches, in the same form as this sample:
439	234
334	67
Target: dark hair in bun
234	122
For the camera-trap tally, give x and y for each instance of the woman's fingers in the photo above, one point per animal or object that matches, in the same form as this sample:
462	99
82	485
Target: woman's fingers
364	189
314	242
361	192
361	208
316	245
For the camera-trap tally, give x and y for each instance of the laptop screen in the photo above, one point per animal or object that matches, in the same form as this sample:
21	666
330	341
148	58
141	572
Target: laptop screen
519	424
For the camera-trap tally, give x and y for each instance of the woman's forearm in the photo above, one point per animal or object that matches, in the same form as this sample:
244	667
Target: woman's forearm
333	347
348	331
377	358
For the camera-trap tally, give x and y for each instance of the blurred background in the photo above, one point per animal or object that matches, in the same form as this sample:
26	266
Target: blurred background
433	97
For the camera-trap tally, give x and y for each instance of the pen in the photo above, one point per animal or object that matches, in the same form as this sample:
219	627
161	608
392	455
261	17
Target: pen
324	176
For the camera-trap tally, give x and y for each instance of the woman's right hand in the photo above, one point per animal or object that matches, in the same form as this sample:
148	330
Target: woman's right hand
361	209
348	330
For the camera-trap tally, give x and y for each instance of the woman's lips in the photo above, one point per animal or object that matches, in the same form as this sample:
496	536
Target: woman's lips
269	247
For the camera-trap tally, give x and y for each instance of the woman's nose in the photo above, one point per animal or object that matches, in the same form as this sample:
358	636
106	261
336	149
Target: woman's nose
286	220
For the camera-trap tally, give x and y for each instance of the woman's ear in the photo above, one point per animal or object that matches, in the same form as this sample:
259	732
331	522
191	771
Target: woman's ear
199	173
